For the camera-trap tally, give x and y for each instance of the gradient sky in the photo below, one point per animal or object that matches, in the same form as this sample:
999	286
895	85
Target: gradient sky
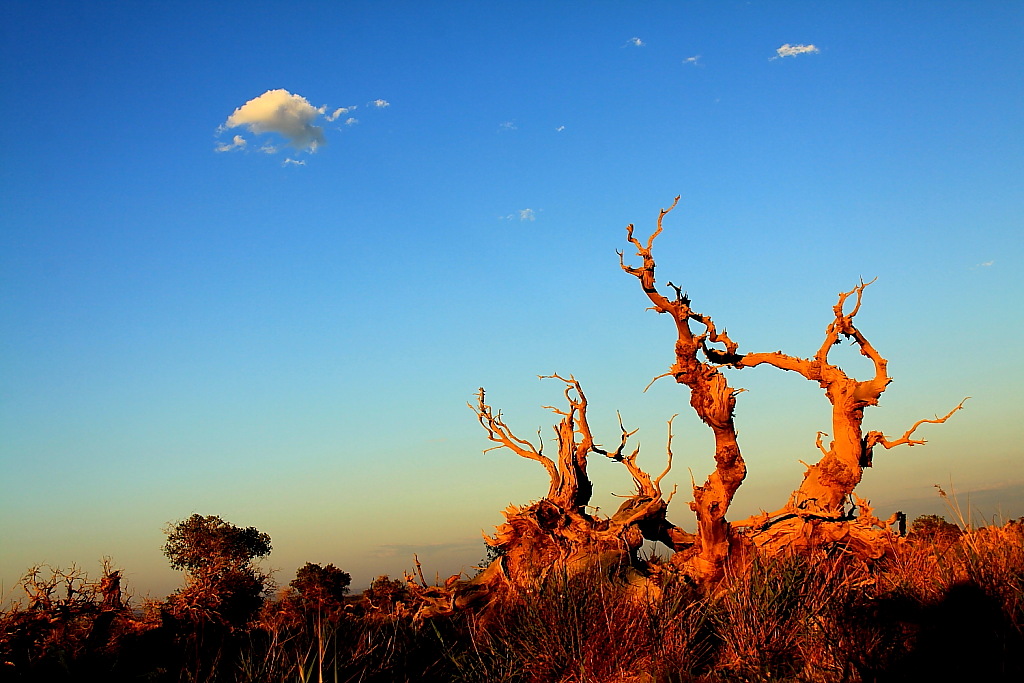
279	318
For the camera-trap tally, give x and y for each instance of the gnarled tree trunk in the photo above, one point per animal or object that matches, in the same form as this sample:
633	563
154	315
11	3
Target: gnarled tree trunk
816	512
556	534
712	399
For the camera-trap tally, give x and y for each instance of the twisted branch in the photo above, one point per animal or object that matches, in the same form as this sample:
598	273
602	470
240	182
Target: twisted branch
878	439
499	433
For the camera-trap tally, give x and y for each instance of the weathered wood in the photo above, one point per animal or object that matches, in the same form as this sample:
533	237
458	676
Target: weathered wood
556	533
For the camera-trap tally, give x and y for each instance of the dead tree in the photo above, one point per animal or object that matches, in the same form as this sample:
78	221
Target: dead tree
828	485
816	511
562	533
556	533
711	398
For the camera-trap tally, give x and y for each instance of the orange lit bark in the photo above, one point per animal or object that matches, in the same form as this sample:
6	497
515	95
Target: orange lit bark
557	533
711	398
828	484
816	512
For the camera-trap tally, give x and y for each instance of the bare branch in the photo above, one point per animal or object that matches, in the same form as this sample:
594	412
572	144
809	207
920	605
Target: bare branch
419	570
672	494
624	436
666	374
661	216
499	433
645	487
811	369
843	325
668	450
877	438
645	273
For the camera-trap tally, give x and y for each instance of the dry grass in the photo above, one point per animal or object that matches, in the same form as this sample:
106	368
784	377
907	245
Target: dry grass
949	608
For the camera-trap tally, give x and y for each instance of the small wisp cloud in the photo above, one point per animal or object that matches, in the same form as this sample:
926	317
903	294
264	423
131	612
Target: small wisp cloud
339	112
788	50
237	142
524	215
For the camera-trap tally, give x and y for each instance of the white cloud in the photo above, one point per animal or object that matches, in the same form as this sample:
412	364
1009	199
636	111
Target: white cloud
293	162
237	142
507	125
521	214
985	264
281	112
560	129
286	114
788	50
340	111
694	60
635	42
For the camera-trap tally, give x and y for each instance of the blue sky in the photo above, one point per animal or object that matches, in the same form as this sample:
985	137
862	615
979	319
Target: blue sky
289	339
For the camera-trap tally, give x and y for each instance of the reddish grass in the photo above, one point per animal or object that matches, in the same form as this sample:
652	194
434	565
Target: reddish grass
939	608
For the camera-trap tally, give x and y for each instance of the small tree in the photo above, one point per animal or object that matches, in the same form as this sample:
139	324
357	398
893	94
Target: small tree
321	587
934	529
222	582
386	594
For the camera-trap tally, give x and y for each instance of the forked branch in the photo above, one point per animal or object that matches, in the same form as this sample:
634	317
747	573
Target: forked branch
878	439
711	397
499	433
645	273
